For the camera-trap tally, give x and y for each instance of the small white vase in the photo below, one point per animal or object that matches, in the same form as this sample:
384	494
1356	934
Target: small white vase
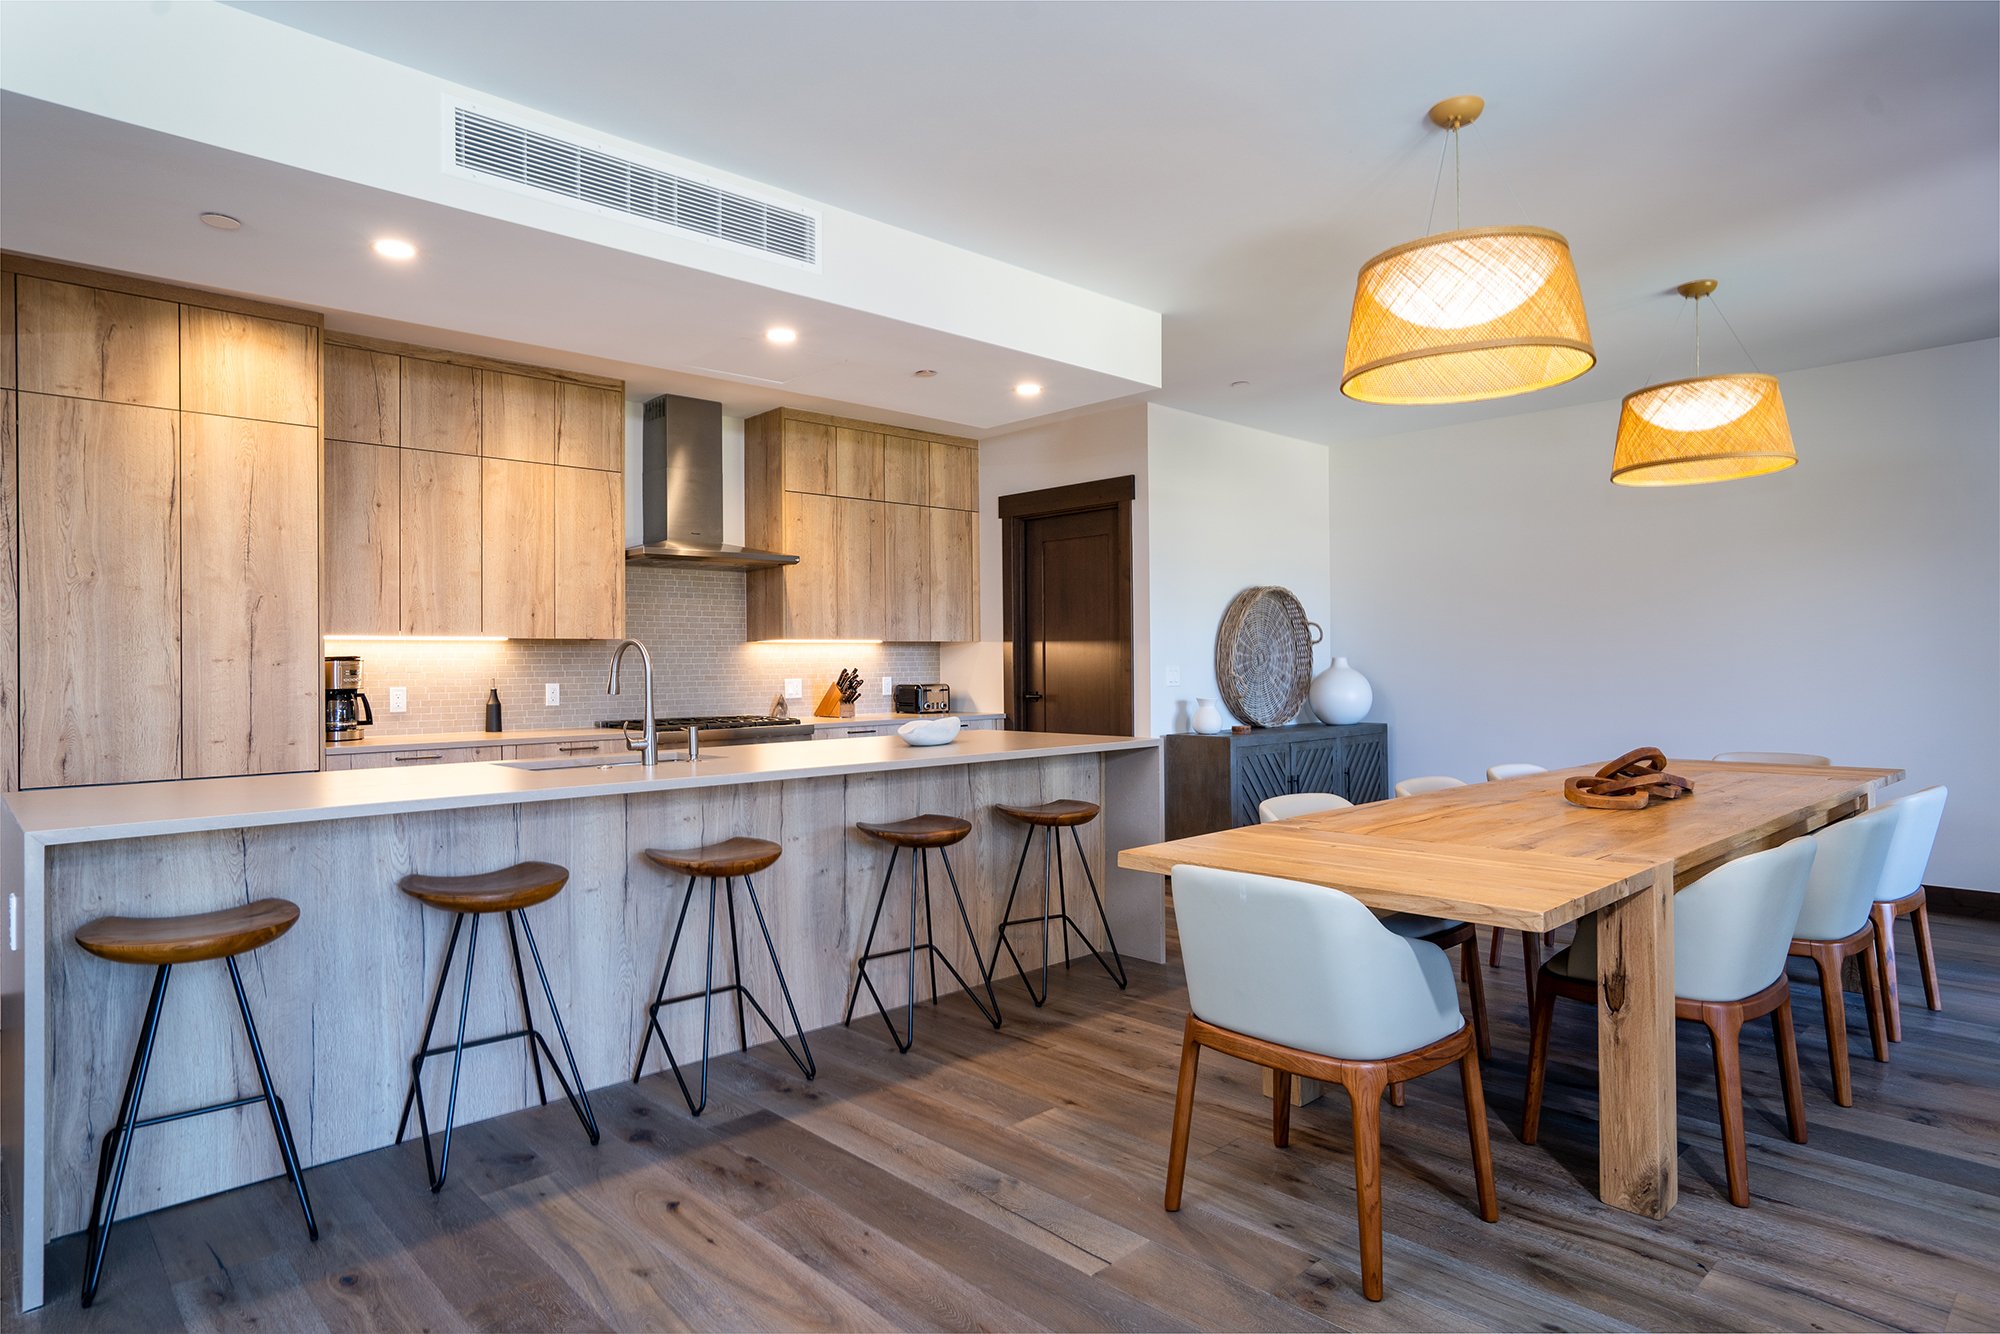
1341	695
1207	718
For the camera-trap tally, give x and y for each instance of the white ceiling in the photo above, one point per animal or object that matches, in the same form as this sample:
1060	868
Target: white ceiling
1837	166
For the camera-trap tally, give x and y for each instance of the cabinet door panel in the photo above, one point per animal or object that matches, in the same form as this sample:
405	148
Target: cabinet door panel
517	517
548	750
909	565
250	701
1261	772
954	576
10	661
861	571
517	417
1319	766
809	457
807	607
906	470
362	560
590	427
246	366
100	592
7	330
364	395
440	540
857	464
954	476
409	759
1366	761
440	407
590	554
85	342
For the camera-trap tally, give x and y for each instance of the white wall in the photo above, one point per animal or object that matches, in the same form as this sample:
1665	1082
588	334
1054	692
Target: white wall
1231	508
1508	603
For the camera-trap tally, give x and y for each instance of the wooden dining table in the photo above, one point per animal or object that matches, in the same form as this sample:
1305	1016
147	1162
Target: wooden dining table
1516	855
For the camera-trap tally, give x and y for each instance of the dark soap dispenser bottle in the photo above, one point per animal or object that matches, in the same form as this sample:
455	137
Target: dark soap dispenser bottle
493	708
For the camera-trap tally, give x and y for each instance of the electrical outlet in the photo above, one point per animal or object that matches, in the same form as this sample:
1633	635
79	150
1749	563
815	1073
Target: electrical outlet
1173	676
399	699
794	688
552	694
888	685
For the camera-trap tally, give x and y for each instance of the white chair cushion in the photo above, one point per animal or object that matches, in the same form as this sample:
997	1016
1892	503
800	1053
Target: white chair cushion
1846	872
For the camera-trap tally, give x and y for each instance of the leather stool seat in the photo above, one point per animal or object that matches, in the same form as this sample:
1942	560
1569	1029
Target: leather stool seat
188	939
520	886
919	831
732	856
1052	814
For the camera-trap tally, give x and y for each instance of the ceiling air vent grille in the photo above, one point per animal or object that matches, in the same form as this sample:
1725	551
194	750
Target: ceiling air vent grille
492	147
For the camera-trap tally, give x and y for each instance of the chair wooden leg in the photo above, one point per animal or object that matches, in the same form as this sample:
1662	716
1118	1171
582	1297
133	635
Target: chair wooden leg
1475	987
1531	960
1885	954
1482	1148
1834	1001
1364	1093
1396	1094
1183	1117
1281	1108
1725	1029
1542	1020
1493	954
1871	995
1920	921
1788	1067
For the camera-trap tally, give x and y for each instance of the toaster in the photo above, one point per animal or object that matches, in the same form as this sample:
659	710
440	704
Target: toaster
931	697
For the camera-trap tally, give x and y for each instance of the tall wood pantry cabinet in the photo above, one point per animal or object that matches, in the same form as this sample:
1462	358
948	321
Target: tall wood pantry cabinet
159	478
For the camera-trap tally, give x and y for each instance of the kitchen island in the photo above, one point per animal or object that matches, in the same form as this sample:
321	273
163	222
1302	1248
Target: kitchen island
340	999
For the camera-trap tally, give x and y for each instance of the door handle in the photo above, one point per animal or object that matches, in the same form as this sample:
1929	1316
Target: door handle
1030	696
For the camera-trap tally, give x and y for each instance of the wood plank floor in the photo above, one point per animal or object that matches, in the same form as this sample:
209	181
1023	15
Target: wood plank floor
1012	1180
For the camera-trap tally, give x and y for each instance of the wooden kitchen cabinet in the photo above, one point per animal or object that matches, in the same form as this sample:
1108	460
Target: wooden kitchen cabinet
803	593
589	554
10	588
89	342
517	551
517	417
440	406
440	537
906	470
416	756
954	576
954	476
251	701
861	568
361	566
907	553
857	464
363	395
239	365
808	456
611	747
590	427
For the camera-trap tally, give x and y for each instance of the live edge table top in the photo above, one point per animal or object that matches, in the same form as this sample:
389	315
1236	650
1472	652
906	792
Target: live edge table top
1515	854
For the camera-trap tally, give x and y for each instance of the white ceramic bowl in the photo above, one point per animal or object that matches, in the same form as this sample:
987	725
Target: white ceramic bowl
930	731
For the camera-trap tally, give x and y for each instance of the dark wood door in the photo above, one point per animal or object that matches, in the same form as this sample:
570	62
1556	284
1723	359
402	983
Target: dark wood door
1075	674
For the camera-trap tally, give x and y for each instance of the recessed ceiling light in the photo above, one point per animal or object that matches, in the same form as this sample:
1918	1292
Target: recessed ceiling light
924	375
391	248
1028	389
222	222
781	335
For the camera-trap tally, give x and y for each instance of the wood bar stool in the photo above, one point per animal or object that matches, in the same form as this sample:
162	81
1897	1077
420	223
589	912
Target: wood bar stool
725	861
510	892
1049	817
920	834
163	942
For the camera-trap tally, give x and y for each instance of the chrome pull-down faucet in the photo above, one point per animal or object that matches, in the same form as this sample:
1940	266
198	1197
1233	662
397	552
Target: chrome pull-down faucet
649	747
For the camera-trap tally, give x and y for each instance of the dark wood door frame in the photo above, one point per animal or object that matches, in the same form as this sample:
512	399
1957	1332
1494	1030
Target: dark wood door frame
1109	493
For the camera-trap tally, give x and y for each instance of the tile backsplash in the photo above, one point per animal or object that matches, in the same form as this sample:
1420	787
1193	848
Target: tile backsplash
689	618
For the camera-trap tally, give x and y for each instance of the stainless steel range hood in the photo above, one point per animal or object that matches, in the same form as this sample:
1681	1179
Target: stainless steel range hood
681	490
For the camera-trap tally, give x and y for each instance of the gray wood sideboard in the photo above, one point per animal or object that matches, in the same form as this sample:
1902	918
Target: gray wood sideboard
1215	782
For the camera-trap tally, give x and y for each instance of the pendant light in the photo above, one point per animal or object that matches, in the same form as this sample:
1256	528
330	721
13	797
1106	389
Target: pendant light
1469	314
1710	428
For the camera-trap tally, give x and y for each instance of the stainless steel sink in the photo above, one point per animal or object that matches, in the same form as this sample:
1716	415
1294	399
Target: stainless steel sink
580	762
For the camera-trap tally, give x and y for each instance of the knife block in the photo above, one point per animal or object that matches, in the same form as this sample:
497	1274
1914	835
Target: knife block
832	706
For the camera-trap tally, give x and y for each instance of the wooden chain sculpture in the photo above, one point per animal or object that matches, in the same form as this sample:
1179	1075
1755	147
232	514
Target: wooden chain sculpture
1631	782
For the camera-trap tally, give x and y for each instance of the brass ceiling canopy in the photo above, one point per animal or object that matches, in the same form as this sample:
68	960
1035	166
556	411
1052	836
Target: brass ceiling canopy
1455	113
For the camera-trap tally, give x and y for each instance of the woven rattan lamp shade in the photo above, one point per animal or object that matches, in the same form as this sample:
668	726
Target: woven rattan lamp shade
1466	315
1714	428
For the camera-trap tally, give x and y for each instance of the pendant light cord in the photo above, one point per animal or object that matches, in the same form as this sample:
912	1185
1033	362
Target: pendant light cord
1739	340
1435	184
1457	184
1697	336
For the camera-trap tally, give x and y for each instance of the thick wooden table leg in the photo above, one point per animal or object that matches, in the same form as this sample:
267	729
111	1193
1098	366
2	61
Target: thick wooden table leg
1635	1050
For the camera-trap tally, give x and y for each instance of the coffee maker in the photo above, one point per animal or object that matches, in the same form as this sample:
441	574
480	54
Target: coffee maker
347	710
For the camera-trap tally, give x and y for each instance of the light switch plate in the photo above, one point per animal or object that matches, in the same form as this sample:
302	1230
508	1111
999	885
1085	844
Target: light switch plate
552	694
795	688
399	699
888	685
1173	676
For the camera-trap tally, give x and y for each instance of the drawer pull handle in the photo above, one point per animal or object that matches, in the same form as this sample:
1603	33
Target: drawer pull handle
405	759
592	747
861	731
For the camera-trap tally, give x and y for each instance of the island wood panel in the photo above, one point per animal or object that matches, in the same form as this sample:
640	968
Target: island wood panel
954	476
857	464
7	340
590	427
589	554
100	552
238	365
441	543
861	569
809	453
361	574
440	406
87	342
340	1054
517	417
251	701
954	576
363	395
907	551
906	470
517	558
10	606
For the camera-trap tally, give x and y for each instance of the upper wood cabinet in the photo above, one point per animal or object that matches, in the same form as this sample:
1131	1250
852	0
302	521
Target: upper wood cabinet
88	342
440	407
10	588
363	396
7	357
238	365
521	540
884	523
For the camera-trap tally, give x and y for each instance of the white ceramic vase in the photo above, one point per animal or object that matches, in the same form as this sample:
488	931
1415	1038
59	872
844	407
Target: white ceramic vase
1207	718
1341	695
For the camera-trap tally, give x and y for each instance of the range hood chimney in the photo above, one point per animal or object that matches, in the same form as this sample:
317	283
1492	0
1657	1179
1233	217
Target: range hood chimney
681	490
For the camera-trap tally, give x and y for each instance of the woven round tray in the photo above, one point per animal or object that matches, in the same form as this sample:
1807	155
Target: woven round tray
1263	656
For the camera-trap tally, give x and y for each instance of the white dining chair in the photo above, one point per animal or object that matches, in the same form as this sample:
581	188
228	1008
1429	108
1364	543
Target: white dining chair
1901	894
1500	773
1770	757
1837	922
1444	932
1417	787
1732	931
1531	943
1307	982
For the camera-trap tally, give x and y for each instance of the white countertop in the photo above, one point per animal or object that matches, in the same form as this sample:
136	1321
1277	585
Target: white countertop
140	810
